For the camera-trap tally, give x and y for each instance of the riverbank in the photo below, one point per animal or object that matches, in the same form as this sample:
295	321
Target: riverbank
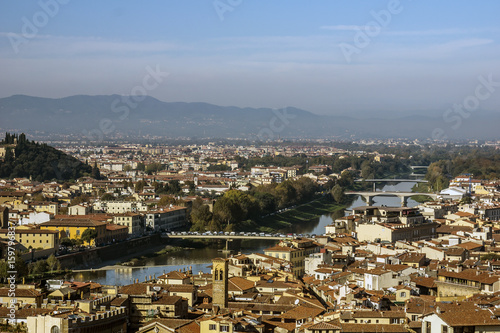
422	188
282	222
140	256
110	254
310	218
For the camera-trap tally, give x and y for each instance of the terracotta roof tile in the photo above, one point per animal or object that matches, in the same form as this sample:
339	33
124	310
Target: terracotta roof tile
302	312
468	317
369	328
239	284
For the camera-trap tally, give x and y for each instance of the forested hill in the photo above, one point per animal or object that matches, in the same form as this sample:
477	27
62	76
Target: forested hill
24	158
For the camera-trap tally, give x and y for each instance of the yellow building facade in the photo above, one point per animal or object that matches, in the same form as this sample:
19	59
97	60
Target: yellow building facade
74	229
34	238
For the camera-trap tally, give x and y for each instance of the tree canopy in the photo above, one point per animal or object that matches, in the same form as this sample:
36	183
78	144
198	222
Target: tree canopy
237	206
26	158
89	235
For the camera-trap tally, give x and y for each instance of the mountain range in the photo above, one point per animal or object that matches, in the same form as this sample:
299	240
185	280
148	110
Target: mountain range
111	116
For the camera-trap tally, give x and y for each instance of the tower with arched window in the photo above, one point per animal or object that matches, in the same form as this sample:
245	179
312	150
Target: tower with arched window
219	282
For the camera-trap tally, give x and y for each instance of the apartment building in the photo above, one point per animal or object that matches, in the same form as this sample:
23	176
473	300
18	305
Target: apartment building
74	228
165	219
294	251
133	222
35	238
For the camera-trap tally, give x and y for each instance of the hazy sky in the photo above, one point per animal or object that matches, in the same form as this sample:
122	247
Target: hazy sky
325	56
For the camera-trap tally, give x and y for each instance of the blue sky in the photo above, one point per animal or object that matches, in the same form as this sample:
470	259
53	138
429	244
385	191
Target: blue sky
328	57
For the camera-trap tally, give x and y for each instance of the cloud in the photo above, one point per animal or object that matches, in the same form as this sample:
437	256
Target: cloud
342	27
41	46
459	44
435	32
440	32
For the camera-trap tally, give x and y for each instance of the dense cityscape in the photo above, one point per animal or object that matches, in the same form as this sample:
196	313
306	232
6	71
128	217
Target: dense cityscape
297	237
232	166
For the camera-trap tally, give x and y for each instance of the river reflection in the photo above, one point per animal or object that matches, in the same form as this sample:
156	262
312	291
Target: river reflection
127	275
200	259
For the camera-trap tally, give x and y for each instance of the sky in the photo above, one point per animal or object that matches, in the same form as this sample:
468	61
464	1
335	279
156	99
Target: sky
328	57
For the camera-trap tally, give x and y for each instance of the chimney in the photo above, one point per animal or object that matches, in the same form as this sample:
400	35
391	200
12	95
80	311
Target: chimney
438	310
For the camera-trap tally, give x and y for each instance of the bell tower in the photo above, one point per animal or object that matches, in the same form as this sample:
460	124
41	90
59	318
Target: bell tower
219	282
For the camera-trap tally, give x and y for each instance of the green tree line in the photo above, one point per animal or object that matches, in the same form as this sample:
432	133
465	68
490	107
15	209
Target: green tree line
237	206
30	270
480	163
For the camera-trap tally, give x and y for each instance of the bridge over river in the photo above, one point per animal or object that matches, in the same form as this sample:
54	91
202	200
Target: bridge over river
229	237
369	195
419	167
396	180
235	236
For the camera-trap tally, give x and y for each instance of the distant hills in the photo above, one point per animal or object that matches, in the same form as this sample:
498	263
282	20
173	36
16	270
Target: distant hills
112	116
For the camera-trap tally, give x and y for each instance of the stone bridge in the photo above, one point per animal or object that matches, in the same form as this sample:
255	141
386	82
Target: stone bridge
369	195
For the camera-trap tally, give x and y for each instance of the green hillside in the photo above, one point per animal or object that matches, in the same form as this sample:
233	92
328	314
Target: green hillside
24	158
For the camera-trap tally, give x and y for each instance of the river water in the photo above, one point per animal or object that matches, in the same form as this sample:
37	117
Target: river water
200	259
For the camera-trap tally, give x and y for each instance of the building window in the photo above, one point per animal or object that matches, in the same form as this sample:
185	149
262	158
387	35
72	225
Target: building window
444	329
212	327
403	294
428	327
54	329
224	328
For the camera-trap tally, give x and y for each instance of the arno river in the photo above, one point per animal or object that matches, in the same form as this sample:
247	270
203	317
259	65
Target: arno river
200	259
